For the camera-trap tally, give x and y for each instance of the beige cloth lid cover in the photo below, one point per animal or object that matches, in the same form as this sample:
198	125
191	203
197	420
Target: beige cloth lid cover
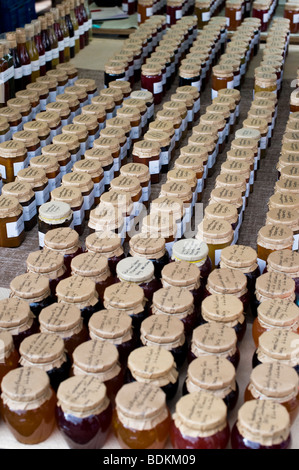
214	338
147	247
62	238
181	274
239	257
224	308
30	286
286	261
60	318
214	231
162	330
214	373
274	284
173	300
274	380
104	242
14	314
77	289
279	344
90	265
110	325
43	349
135	269
125	296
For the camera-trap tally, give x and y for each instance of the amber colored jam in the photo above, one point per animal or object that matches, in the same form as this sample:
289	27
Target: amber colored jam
239	442
170	389
129	438
258	329
219	440
234	358
230	399
9	363
31	426
89	432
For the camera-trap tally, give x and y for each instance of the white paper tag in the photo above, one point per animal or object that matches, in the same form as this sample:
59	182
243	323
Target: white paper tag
296	18
146	192
3	171
13	229
29	211
205	16
262	264
238	15
6	136
42	196
154	167
41	239
26	69
296	243
54	182
108	175
35	65
78	216
157	88
18	73
98	188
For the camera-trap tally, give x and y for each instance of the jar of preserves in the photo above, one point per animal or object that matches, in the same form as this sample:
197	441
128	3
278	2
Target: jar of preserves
74	198
164	141
78	92
64	109
113	146
84	183
12	229
52	215
222	77
218	122
99	359
71	71
107	102
46	351
276	382
215	375
161	225
273	237
104	157
188	176
181	108
215	339
22	106
33	97
114	326
151	80
291	12
97	111
234	14
152	249
51	167
200	422
41	128
52	120
13	117
9	354
107	244
31	141
229	196
66	241
130	299
107	217
140	171
148	98
115	94
144	10
26	197
190	74
148	153
52	83
72	144
123	85
80	133
94	169
173	117
89	85
217	235
227	212
89	123
171	208
261	424
28	404
195	252
141	418
286	262
115	70
240	168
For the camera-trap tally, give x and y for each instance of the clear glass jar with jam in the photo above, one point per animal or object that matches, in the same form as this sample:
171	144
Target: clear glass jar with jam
52	215
214	339
66	241
38	180
291	11
97	111
152	249
107	244
129	185
104	157
153	365
115	70
262	126
9	353
190	74
107	102
33	97
222	77
26	197
74	198
114	326
130	299
64	320
96	172
261	424
52	83
200	422
215	375
221	211
273	237
82	181
233	13
12	229
99	359
72	144
30	413
275	382
140	171
141	418
113	146
151	80
294	102
224	111
107	217
286	262
164	141
217	235
83	412
148	153
53	122
31	142
148	98
63	110
90	123
16	320
50	165
118	134
46	351
22	106
13	117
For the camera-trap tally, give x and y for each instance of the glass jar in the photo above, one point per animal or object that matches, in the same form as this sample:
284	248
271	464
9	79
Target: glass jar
29	411
164	141
105	159
129	185
218	122
46	352
99	359
12	229
73	197
130	299
80	133
181	108
52	84
98	111
63	109
141	418
144	10
287	262
71	142
90	123
228	196
148	98
118	134
66	241
172	209
43	91
173	117
215	375
107	244
9	353
115	94
71	71
233	13
112	145
276	382
273	237
41	128
199	422
33	97
222	211
161	225
107	217
140	171
148	153
65	321
13	117
217	235
31	141
123	85
151	80
52	215
94	169
261	424
26	197
89	85
188	176
114	70
114	326
82	181
78	92
196	163
50	166
52	120
22	106
216	339
107	102
222	77
240	168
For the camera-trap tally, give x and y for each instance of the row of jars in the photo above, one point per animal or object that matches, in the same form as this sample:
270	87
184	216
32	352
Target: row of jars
52	39
244	44
264	10
291	11
235	12
205	9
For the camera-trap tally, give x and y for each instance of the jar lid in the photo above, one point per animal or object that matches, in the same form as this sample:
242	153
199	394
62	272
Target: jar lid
286	261
48	80
80	180
168	205
159	137
231	180
103	100
195	163
89	265
226	196
30	285
177	189
40	127
138	170
200	414
146	149
263	421
89	122
44	261
238	167
80	131
151	69
288	159
221	109
108	143
142	245
268	95
201	140
152	363
246	133
159	224
120	200
145	95
287	186
190	250
20	190
32	175
190	70
71	100
115	132
126	183
294	98
224	308
99	154
79	92
256	123
40	87
278	313
279	344
195	150
283	216
292	126
103	242
95	356
118	123
274	380
71	141
135	269
42	348
162	330
122	85
183	175
167	115
278	235
13	312
212	231
206	129
115	67
25	385
110	324
92	167
176	106
230	92
260	113
96	110
11	114
105	217
223	70
70	68
245	143
227	281
12	148
287	201
213	118
221	211
46	162
61	238
87	83
173	299
82	395
275	284
30	95
20	104
75	289
115	93
29	138
135	103
214	338
225	100
123	295
211	373
189	90
128	112
51	118
181	274
239	257
59	317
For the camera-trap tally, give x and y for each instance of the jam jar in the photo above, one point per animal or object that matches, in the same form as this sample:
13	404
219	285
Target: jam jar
277	345
120	135
151	80
129	185
80	133
99	359
33	97
164	141
195	252
115	70
49	264
181	107
199	422
50	165
89	85
13	158
17	319
188	176
5	131
64	320
286	262
172	208
52	215
215	339
94	169
215	375
52	83
140	105
82	181
115	94
113	146
53	121
222	77
9	354
73	197
114	326
275	313
223	212
13	117
107	102
28	404
173	117
81	292
152	249
120	128
34	289
23	106
93	266
90	124
276	382
97	111
197	164
66	241
107	244
46	351
261	424
294	102
140	171
141	418
63	110
148	98
130	299
31	141
139	271
148	153
219	123
26	197
176	302
239	168
105	158
165	332
107	217
78	92
38	180
229	196
42	130
224	309
165	127
217	234
160	225
123	85
272	237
